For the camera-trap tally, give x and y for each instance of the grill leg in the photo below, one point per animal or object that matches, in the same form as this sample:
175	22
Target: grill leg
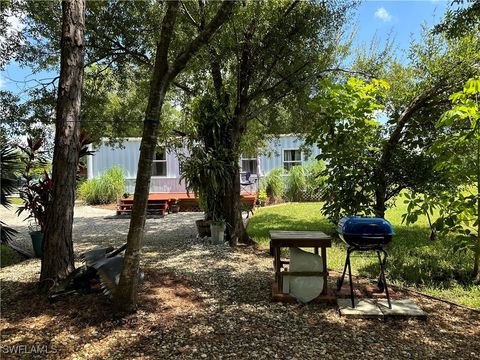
340	281
382	274
350	279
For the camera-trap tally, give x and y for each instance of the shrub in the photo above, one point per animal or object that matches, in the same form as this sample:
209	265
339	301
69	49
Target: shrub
314	178
262	197
104	189
272	184
295	183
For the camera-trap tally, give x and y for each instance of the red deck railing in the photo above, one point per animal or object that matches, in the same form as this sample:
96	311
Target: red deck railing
158	203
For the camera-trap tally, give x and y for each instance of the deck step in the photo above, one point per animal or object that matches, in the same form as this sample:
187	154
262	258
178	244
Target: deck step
157	207
161	206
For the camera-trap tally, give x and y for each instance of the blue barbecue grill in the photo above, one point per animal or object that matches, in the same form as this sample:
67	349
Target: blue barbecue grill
365	234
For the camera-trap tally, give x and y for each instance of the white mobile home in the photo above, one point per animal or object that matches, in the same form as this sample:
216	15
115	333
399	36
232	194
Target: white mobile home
284	152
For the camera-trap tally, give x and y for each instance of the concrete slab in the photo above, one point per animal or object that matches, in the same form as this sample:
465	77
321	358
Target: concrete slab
366	309
401	308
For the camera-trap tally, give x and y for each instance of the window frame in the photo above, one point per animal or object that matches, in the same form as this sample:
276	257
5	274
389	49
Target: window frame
160	161
244	157
298	162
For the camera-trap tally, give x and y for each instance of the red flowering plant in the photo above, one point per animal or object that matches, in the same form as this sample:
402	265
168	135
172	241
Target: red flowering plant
37	184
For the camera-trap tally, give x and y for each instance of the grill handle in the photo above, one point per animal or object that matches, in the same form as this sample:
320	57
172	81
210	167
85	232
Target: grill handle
375	226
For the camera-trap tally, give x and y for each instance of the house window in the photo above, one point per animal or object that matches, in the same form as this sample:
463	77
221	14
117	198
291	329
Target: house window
291	158
249	164
159	165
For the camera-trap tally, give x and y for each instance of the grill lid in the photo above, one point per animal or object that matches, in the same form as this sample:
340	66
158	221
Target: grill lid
364	226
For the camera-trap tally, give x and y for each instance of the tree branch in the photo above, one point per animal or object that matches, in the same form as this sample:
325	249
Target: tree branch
184	88
189	16
347	71
278	83
220	17
215	69
135	54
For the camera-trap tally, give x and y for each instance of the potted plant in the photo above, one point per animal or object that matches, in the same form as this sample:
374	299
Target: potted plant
217	230
207	170
35	191
175	208
203	225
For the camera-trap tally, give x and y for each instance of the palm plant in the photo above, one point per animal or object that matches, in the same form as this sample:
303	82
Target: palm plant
9	165
205	174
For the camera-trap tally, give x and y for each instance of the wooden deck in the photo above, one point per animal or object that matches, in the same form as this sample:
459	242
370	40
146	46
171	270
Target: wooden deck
159	203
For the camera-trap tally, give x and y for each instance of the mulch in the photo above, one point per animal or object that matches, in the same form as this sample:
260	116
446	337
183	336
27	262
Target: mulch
174	321
201	301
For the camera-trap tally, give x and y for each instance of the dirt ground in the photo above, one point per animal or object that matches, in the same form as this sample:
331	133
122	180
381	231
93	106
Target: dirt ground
200	301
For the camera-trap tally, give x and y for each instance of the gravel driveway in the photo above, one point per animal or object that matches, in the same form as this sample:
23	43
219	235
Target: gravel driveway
219	308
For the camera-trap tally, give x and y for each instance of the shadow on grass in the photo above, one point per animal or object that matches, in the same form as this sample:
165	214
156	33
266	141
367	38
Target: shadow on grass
416	260
262	223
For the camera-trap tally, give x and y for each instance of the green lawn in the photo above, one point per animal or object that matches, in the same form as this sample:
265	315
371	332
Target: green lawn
414	261
16	201
8	256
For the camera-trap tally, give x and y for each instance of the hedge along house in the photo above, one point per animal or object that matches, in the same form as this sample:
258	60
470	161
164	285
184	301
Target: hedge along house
284	152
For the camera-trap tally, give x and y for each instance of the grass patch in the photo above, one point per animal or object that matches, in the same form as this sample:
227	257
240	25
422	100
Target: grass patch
16	201
414	261
8	256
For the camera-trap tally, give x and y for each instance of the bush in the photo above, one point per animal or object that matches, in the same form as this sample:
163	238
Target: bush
104	189
314	178
262	197
296	183
272	184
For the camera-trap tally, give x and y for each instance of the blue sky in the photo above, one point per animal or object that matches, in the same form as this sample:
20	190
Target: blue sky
401	19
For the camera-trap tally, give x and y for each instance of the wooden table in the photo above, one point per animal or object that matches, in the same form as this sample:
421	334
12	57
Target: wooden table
300	239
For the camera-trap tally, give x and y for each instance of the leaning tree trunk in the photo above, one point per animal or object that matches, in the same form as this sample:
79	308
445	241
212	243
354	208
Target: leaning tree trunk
57	257
125	297
390	146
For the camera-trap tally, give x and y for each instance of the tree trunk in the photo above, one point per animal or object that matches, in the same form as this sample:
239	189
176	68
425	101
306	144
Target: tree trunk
476	260
380	193
163	74
233	211
125	297
389	148
57	257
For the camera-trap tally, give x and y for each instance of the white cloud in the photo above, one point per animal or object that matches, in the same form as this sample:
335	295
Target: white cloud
16	23
383	14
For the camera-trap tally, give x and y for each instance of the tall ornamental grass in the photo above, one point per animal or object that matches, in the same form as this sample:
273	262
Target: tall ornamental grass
104	189
272	184
295	183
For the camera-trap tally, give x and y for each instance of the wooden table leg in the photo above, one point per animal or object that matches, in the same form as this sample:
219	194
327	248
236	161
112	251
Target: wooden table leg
324	261
315	250
278	266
